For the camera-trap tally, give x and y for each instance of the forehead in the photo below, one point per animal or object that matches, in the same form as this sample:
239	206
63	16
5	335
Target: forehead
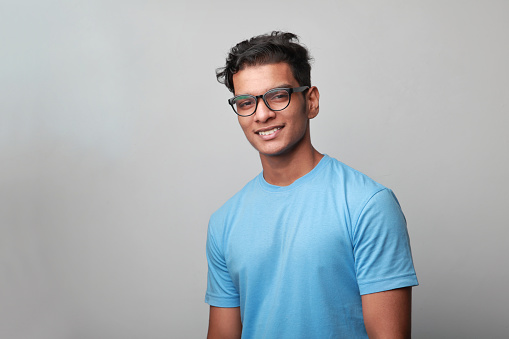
258	79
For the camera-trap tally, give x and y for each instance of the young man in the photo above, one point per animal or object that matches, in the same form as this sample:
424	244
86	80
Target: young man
310	248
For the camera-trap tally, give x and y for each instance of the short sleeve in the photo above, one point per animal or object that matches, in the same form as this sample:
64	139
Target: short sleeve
221	291
383	258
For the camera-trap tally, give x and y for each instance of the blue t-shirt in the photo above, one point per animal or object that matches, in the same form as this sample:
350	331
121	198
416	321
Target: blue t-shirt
297	259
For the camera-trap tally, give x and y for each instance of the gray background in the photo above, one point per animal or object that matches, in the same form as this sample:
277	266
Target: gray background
117	144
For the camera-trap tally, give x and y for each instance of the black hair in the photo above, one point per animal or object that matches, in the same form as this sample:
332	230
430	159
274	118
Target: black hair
267	49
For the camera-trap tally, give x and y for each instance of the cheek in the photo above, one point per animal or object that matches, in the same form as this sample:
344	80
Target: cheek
302	119
244	125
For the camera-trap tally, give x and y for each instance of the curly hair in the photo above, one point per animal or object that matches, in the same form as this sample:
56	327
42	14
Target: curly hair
267	49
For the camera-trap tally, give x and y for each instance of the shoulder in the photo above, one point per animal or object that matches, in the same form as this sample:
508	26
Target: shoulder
357	186
229	209
352	177
358	190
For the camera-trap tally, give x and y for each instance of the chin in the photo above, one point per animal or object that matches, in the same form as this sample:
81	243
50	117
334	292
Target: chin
277	150
274	152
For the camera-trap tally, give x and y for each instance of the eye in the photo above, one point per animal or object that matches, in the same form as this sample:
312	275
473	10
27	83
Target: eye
244	103
277	96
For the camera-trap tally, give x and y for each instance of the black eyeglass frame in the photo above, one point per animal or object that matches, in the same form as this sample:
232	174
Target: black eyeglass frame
256	97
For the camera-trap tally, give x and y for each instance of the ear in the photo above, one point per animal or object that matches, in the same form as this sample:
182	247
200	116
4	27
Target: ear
313	102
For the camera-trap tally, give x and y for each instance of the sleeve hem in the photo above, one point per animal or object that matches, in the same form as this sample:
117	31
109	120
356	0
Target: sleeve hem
221	302
388	284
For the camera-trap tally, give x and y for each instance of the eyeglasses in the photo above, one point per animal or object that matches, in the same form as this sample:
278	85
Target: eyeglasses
276	99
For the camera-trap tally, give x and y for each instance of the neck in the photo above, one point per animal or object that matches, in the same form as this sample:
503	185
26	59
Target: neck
284	169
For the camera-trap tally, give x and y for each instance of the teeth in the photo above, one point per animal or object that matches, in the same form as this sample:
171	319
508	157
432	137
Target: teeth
269	131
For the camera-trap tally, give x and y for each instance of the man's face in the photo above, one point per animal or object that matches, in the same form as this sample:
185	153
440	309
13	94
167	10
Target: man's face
274	133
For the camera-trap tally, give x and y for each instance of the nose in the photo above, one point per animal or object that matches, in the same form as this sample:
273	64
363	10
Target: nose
263	113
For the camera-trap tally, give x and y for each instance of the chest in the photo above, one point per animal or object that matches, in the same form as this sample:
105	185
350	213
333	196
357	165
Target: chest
295	236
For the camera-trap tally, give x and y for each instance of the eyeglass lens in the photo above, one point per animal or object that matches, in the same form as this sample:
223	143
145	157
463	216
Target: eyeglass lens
276	100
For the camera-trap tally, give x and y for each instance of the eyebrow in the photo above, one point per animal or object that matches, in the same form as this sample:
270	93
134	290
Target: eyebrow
279	86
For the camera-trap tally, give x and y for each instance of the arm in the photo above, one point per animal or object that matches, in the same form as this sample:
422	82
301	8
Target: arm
388	314
224	323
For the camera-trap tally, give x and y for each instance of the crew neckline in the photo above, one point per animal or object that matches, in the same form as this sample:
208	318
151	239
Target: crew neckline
305	178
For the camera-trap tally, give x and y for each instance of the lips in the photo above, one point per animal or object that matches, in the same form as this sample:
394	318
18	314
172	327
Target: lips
270	131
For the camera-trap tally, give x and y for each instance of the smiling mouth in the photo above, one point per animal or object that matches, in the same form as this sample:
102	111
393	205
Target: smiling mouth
269	132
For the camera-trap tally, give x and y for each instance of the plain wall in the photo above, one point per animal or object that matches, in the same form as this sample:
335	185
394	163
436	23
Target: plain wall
117	143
